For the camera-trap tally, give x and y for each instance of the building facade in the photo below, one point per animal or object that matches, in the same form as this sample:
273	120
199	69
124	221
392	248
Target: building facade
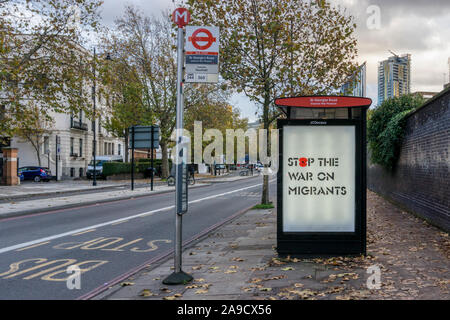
75	134
394	77
356	84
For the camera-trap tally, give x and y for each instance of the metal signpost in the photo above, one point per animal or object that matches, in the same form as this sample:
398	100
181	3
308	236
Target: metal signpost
57	152
180	17
321	183
143	137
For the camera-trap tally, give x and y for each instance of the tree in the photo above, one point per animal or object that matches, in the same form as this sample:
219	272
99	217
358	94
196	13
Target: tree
123	94
35	129
214	112
270	48
42	58
146	45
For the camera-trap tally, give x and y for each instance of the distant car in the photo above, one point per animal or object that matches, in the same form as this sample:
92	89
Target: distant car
36	174
100	160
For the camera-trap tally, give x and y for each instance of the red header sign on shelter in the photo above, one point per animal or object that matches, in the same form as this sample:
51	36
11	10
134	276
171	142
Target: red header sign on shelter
324	102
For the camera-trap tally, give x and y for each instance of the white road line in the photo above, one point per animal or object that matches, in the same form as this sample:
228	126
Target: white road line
56	236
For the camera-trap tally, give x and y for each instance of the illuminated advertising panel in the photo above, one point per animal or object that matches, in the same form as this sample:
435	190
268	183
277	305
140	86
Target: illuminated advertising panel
319	179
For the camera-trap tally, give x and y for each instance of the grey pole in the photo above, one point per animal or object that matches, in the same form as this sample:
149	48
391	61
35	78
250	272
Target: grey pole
178	276
151	177
56	158
94	147
132	158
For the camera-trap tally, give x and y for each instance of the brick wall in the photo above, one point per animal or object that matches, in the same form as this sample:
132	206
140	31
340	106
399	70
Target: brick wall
421	180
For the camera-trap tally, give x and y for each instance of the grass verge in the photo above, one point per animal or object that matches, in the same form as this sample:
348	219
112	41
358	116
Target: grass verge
264	206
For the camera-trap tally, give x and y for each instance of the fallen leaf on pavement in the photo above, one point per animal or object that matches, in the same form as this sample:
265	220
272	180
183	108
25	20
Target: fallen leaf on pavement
230	271
146	293
237	259
124	284
200	291
287	269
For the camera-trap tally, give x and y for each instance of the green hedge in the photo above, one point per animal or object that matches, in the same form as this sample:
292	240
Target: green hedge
111	168
386	126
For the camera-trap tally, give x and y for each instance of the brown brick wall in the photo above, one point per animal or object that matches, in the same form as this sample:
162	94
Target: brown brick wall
421	180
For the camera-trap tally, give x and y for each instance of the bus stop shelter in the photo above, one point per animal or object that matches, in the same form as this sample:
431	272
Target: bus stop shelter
321	182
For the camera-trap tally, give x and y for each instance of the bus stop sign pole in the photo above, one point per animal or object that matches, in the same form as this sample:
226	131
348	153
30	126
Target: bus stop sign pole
181	17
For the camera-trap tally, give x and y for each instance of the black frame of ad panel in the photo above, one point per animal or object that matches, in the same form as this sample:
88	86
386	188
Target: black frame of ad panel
326	243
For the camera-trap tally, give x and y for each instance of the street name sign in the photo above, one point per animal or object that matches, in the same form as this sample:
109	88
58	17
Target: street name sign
143	137
202	54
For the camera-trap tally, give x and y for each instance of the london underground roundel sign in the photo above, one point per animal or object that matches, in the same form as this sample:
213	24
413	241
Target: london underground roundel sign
202	39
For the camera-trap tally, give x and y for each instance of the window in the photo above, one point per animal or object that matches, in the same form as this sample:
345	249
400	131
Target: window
46	145
105	150
81	148
112	151
71	146
72	172
119	151
80	172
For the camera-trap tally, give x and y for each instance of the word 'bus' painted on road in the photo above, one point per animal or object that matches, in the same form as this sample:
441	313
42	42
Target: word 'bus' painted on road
48	270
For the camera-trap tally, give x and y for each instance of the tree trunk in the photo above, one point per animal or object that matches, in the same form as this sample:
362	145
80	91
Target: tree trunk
38	154
265	186
164	160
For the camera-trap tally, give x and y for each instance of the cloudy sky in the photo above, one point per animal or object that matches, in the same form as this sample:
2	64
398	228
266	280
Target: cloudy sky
418	27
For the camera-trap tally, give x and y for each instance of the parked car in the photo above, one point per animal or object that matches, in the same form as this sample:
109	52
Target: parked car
36	174
259	167
100	160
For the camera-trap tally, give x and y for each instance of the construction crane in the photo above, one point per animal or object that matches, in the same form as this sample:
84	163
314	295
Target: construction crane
394	53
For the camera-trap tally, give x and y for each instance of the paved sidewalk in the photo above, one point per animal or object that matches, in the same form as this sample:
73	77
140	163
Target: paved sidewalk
239	261
15	208
30	189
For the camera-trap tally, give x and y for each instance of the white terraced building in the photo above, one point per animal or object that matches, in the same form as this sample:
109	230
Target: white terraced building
75	133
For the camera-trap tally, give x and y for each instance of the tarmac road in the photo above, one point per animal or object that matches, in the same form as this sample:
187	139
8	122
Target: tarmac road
107	240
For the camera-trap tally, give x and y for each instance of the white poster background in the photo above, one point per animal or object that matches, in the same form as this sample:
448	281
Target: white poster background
319	213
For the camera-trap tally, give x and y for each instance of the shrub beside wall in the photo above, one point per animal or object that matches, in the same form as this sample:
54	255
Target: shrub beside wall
113	168
386	127
419	181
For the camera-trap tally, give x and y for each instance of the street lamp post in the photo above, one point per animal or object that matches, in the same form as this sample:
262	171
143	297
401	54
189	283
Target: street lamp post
94	178
94	147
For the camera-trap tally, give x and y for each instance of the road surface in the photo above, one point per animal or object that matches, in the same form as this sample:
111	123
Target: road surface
107	240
